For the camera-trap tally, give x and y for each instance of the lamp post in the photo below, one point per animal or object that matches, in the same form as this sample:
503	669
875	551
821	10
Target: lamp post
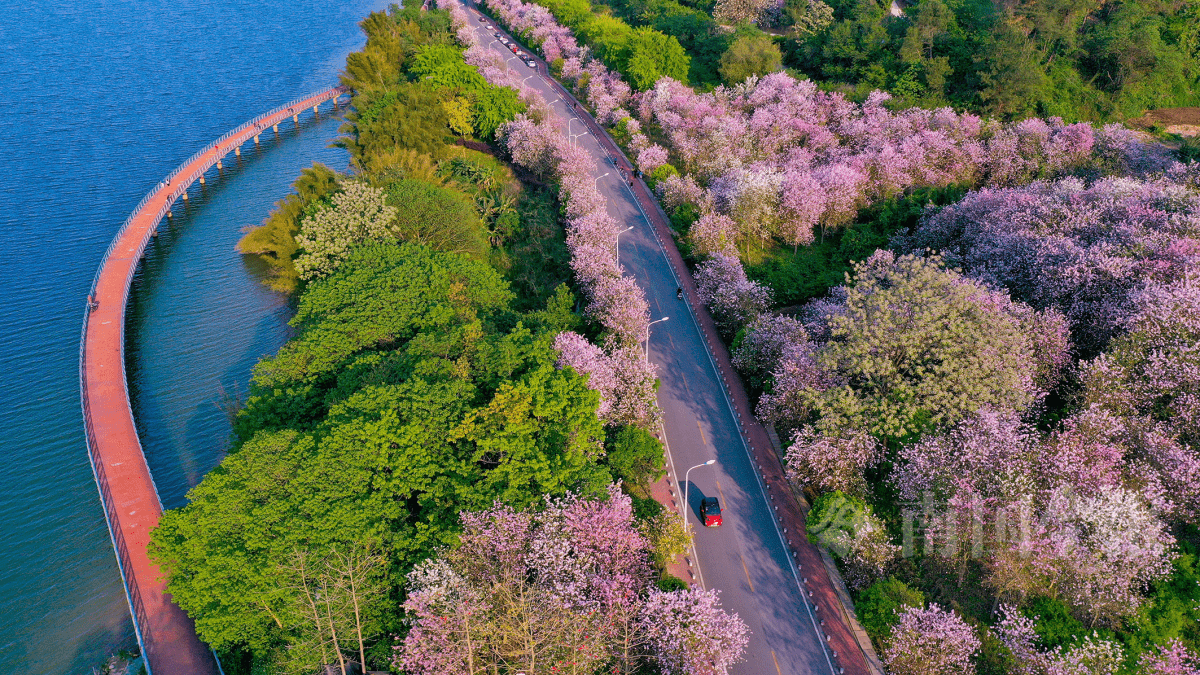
617	245
648	334
687	485
598	180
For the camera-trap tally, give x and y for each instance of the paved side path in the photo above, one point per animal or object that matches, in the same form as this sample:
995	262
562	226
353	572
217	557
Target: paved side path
130	499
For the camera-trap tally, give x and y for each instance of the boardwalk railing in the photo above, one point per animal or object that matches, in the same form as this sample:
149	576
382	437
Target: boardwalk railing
180	183
256	124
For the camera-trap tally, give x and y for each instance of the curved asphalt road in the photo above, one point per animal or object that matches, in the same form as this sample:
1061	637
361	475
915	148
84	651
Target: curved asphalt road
746	558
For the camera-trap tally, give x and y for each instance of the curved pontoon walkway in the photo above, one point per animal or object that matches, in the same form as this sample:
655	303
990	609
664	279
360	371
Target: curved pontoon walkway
131	504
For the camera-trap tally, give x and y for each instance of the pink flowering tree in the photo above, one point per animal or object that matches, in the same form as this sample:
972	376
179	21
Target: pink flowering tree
1171	659
689	634
768	340
532	145
827	462
1093	252
984	471
1098	553
619	304
714	233
622	377
1093	655
563	589
930	641
1154	369
1148	385
730	296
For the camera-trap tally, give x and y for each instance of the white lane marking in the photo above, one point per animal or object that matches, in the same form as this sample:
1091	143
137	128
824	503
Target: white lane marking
675	478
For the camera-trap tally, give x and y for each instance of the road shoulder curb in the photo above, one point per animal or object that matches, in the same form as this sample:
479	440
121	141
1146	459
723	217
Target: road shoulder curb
835	576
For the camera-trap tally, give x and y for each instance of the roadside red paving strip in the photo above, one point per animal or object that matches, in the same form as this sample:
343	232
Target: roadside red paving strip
127	492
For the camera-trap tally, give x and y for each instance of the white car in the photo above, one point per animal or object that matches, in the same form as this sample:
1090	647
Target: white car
503	41
531	63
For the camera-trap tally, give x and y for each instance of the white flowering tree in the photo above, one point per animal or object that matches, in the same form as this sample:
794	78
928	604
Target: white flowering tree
359	213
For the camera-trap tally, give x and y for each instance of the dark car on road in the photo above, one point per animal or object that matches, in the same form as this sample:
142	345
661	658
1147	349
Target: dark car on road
710	512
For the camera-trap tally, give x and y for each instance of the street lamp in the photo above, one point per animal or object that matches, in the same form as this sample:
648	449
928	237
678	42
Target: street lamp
686	485
575	138
648	333
598	180
617	245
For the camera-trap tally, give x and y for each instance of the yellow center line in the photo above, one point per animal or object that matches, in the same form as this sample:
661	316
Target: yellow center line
703	440
747	572
685	383
777	670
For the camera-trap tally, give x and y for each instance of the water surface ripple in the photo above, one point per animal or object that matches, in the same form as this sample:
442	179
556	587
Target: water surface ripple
103	99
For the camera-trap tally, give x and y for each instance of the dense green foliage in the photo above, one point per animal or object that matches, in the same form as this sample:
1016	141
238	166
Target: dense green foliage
749	55
442	218
411	392
412	92
641	55
1074	59
878	604
693	26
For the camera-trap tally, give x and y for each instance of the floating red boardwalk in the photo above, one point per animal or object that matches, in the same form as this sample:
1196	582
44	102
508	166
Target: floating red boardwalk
130	499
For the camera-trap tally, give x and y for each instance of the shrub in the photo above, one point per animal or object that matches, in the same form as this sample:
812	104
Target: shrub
661	173
878	606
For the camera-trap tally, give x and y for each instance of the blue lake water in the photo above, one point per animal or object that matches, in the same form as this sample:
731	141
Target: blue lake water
103	99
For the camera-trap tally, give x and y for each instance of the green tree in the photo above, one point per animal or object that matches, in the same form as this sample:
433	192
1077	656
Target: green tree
879	606
380	295
919	345
649	56
750	55
1013	75
442	218
416	406
635	455
409	116
494	106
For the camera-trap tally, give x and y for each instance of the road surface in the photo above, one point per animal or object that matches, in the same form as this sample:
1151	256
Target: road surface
746	558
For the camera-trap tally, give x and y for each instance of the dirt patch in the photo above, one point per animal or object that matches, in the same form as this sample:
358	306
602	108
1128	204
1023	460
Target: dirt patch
1181	121
1185	130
